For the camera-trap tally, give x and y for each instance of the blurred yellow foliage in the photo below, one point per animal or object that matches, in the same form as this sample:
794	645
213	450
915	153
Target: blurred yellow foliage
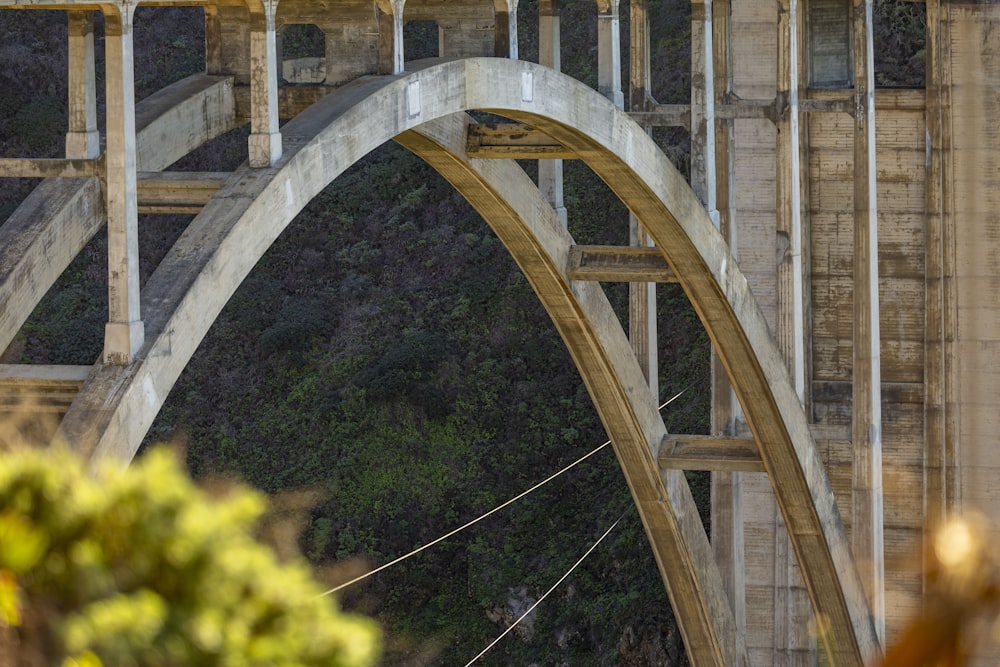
138	566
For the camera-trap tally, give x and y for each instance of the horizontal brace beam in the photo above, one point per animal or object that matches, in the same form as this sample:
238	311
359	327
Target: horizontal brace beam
169	209
49	168
513	141
679	115
841	105
177	191
664	115
841	391
746	109
32	389
703	452
35	374
623	264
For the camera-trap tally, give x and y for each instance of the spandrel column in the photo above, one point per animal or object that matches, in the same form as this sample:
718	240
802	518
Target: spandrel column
391	55
124	331
265	137
609	52
867	526
505	29
550	172
83	140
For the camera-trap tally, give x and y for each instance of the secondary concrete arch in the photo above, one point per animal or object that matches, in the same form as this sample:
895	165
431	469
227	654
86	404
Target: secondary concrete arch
60	216
187	291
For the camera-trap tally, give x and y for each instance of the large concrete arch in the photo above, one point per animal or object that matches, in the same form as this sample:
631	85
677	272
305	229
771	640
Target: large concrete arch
187	291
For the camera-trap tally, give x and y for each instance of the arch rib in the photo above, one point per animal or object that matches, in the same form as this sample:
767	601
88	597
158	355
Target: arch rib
201	272
530	228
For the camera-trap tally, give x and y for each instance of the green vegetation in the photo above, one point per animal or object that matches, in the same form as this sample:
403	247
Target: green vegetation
140	567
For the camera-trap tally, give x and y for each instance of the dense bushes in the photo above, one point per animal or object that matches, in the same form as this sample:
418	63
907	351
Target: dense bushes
139	567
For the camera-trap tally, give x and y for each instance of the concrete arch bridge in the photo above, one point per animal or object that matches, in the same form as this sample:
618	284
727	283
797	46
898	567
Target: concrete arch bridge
773	394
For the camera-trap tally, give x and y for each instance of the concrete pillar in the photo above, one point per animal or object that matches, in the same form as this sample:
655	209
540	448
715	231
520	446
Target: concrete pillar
790	601
642	331
609	52
728	538
265	138
391	56
867	535
550	172
213	40
790	332
83	140
505	28
124	331
639	75
703	107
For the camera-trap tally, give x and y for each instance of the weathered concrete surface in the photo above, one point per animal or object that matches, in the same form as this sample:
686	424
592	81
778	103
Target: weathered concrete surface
963	297
220	247
54	223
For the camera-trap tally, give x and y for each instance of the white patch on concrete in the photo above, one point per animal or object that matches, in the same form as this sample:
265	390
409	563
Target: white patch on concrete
289	195
413	98
527	86
149	393
629	146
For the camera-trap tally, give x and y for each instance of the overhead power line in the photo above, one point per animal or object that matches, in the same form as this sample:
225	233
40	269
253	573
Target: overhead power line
496	509
546	594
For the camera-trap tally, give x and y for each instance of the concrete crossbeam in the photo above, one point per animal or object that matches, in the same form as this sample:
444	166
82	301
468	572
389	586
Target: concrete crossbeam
40	388
625	264
49	168
178	191
705	452
513	141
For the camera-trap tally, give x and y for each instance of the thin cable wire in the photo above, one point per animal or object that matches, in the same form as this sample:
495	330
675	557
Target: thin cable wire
496	509
546	594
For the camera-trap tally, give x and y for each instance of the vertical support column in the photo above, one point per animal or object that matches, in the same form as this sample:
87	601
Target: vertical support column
83	140
640	85
867	532
391	57
728	543
609	50
123	334
550	172
788	189
642	331
505	27
791	290
703	107
265	137
213	40
942	442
